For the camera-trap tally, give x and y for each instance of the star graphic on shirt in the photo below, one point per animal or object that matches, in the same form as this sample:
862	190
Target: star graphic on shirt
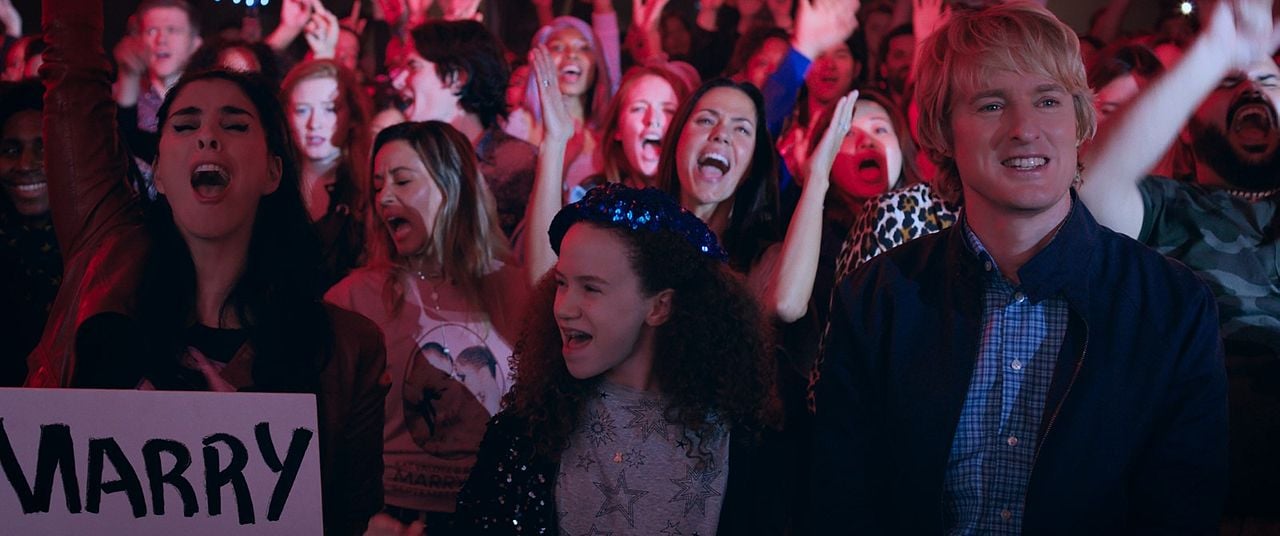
672	529
601	428
584	462
634	458
597	532
647	416
695	489
614	495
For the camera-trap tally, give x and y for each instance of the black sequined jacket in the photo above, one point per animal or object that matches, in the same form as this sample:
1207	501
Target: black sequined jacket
512	490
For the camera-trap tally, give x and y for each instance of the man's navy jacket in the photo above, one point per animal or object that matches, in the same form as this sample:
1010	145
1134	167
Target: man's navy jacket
1134	434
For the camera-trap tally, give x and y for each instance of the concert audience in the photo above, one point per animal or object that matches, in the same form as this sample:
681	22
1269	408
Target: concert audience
216	285
156	244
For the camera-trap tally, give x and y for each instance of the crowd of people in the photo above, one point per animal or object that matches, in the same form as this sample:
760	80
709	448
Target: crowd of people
739	267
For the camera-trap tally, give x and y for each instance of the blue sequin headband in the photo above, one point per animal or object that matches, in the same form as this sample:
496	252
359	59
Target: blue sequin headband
616	205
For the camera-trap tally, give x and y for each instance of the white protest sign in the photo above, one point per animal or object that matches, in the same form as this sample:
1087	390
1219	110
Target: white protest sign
80	461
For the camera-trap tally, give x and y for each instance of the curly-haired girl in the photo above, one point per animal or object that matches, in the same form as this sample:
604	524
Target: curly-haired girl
643	384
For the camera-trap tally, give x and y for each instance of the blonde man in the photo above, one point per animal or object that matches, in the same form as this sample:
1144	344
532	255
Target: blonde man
1026	370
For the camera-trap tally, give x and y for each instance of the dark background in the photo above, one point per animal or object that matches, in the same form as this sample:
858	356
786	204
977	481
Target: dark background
214	14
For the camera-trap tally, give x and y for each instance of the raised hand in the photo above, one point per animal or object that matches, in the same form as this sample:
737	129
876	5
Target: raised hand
824	154
195	360
461	9
548	186
353	20
322	32
822	24
927	16
1243	28
647	13
557	124
131	55
294	14
10	19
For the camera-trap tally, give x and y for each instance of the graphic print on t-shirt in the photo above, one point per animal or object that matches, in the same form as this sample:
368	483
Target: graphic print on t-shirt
452	386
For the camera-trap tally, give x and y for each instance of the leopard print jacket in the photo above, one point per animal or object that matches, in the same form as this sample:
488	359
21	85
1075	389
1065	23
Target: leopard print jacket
890	220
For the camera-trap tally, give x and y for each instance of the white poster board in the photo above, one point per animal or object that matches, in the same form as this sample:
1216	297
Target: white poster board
80	461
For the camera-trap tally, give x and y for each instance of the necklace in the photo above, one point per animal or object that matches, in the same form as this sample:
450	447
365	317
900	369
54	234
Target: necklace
434	280
1252	196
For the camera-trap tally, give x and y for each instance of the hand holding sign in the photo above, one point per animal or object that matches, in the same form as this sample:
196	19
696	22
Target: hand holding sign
196	360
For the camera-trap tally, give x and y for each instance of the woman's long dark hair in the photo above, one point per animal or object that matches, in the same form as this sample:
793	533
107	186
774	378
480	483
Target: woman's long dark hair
277	297
754	222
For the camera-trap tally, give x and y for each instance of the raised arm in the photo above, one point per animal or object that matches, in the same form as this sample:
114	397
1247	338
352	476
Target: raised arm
604	21
1239	32
548	185
644	39
84	161
10	19
322	33
927	16
131	58
791	284
294	15
820	24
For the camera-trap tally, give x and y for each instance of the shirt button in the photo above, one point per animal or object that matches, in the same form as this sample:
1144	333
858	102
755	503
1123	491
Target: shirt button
1006	515
1019	297
1016	365
987	266
1012	441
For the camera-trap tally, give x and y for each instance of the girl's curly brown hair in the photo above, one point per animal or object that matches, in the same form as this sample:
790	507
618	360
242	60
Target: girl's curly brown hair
712	357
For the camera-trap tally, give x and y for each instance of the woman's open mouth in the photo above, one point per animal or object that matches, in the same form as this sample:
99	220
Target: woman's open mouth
210	182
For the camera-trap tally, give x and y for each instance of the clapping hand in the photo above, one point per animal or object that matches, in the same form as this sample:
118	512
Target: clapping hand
557	124
824	154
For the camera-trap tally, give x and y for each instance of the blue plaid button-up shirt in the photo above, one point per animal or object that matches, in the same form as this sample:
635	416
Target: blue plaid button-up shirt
995	441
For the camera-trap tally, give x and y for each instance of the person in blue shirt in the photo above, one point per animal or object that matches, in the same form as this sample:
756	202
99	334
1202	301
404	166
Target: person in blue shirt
1025	370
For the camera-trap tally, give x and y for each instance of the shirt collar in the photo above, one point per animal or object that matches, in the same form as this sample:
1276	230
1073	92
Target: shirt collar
1061	266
